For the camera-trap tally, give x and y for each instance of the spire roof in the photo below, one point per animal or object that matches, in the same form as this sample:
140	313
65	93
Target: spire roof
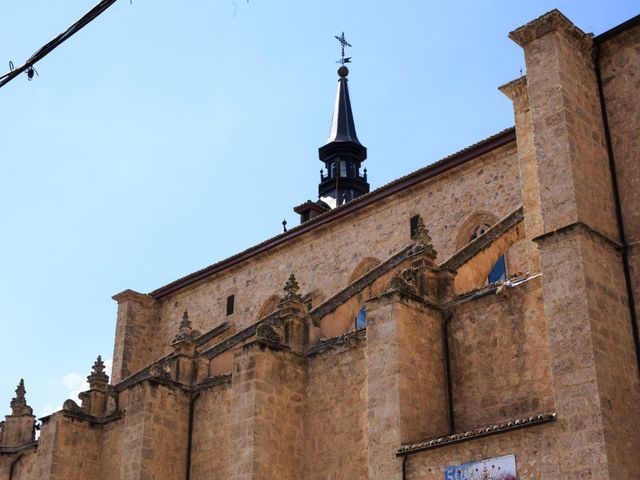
343	128
343	153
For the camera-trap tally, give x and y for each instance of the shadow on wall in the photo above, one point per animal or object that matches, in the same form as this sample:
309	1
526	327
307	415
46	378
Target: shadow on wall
502	259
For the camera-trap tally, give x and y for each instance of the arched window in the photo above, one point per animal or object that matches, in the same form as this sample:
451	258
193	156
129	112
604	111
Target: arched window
479	230
498	272
475	226
269	306
363	267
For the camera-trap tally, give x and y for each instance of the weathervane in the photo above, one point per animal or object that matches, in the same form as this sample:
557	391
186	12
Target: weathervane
343	43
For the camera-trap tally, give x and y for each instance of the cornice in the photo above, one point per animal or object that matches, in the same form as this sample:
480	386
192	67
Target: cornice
552	21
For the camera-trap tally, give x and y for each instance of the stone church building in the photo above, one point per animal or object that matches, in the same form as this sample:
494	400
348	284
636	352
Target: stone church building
481	324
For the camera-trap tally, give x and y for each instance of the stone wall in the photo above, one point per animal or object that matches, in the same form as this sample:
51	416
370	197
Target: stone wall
527	162
44	456
620	72
21	465
445	202
406	390
72	458
135	331
154	433
335	415
110	455
62	451
499	358
584	293
567	123
537	455
614	354
52	458
265	421
210	440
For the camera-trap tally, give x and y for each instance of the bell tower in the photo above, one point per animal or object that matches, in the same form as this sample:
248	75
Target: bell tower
343	153
341	179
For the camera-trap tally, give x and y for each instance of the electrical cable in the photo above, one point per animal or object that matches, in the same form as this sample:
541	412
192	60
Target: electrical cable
54	43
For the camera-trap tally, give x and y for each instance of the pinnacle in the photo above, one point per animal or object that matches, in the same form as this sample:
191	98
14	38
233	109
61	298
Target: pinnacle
185	332
291	287
98	366
19	403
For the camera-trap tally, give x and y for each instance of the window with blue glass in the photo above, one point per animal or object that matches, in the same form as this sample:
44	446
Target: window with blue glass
499	271
361	318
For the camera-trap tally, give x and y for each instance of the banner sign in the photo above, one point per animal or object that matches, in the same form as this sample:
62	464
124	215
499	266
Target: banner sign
500	468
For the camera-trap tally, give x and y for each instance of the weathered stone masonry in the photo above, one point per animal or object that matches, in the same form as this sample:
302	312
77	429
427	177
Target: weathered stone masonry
446	367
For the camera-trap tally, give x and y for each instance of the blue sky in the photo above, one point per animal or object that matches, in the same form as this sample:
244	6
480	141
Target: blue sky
168	135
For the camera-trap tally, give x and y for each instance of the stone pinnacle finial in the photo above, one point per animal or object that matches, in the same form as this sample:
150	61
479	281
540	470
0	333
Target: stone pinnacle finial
185	323
291	287
421	232
97	375
98	365
20	390
19	403
185	333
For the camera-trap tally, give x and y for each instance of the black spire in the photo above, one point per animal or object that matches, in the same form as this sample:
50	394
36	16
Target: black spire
343	128
343	153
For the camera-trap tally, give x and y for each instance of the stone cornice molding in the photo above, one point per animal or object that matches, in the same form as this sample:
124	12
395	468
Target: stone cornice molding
142	298
553	21
515	88
353	339
578	227
77	415
399	294
18	449
504	427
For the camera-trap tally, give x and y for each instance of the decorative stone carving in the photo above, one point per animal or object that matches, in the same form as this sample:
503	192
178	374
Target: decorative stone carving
424	245
290	327
268	332
409	280
184	349
19	403
98	379
71	406
85	398
182	366
157	370
94	400
291	289
18	428
97	372
421	233
185	333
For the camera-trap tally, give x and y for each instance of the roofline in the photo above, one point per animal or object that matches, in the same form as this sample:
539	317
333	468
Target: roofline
632	22
459	158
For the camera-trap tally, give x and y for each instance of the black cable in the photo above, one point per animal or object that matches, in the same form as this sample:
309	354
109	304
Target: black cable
55	42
